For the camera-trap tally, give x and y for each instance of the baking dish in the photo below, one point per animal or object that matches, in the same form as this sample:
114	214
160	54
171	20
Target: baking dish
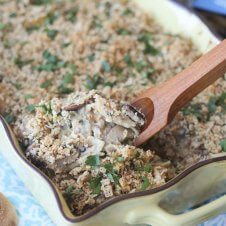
168	204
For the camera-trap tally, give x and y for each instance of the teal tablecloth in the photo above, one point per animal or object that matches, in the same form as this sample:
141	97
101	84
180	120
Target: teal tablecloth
28	209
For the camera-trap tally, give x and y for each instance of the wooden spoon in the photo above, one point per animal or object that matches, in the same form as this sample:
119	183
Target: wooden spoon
160	104
8	216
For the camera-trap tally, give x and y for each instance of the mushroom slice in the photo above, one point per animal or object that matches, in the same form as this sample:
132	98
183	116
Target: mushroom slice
133	114
75	107
8	215
119	134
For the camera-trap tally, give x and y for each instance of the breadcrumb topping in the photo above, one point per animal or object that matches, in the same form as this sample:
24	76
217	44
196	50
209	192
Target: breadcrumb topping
83	142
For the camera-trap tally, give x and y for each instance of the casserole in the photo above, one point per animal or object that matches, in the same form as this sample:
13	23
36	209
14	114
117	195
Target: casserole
64	217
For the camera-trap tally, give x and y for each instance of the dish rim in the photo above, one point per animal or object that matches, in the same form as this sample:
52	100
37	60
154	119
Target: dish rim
102	206
114	200
200	16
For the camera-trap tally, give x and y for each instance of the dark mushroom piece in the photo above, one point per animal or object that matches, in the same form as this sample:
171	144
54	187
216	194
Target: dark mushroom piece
133	114
75	107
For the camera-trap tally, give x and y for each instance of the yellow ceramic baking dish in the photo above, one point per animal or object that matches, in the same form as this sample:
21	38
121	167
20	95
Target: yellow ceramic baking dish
182	201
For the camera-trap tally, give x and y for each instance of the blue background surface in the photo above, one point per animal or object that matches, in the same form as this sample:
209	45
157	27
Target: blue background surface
28	209
217	6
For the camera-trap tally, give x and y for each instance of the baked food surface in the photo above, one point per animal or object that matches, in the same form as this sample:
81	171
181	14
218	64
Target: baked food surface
52	49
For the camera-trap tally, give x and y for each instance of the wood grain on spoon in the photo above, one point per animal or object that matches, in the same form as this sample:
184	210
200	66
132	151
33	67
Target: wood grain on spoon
160	104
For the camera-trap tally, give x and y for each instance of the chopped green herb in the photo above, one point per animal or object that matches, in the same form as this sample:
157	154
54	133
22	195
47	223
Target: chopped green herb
119	70
212	105
50	18
222	101
7	44
96	22
28	96
2	26
51	62
140	65
32	28
73	68
127	59
127	12
52	33
116	178
46	84
12	15
193	109
147	74
40	2
31	108
223	145
120	159
9	118
21	63
78	191
95	185
69	190
16	85
145	183
68	78
64	90
106	66
46	67
93	160
93	82
109	167
110	177
145	37
111	172
65	45
91	57
49	57
45	108
123	31
71	14
61	64
146	168
111	84
149	48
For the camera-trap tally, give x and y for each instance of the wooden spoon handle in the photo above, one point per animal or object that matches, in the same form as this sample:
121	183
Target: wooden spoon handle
167	99
180	89
196	78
